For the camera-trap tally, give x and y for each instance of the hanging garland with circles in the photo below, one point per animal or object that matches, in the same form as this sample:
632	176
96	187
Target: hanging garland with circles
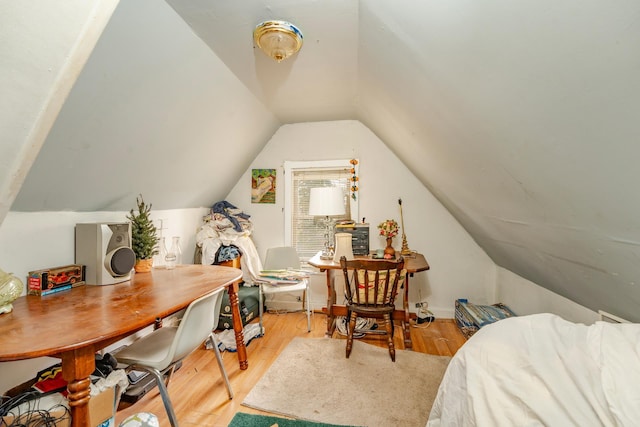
354	178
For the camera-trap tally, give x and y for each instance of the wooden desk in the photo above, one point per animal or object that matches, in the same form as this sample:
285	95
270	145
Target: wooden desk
73	325
412	263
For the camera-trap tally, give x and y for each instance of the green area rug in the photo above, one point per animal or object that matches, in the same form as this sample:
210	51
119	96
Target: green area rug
253	420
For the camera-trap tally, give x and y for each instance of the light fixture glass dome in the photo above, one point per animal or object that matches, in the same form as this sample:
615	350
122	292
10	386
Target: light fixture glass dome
278	39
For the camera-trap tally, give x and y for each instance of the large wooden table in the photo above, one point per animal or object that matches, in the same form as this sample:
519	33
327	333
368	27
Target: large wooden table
73	325
412	263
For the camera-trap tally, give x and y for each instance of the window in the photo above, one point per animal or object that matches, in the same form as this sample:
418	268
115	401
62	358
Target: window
302	231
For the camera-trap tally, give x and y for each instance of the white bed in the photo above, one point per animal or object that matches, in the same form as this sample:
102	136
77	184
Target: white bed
541	370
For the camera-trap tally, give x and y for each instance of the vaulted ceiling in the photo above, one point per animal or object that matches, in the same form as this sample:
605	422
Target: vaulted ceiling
521	117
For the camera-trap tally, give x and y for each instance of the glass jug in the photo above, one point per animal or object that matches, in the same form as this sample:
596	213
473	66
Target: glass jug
174	255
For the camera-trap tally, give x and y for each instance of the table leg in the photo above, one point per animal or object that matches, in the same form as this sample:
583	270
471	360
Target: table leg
237	325
331	299
406	326
77	366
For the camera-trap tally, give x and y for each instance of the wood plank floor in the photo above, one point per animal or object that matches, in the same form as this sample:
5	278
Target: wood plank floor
197	389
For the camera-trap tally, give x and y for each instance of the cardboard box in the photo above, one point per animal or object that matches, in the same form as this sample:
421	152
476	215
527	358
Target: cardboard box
50	280
471	317
102	408
102	411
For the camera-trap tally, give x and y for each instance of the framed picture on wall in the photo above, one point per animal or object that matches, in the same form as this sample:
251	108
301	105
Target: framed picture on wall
263	186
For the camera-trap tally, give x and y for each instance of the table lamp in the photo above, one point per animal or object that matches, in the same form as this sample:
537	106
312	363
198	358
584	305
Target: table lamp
327	202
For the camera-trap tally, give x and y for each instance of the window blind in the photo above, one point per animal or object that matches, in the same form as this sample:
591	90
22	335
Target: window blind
308	232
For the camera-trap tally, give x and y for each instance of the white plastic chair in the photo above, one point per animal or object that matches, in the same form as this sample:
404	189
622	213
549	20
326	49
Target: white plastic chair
281	258
159	351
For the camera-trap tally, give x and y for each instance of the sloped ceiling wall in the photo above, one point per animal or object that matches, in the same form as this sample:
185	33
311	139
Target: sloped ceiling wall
154	111
43	47
521	117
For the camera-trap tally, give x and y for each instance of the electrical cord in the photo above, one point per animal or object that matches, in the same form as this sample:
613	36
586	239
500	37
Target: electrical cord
424	316
31	417
23	409
9	403
423	325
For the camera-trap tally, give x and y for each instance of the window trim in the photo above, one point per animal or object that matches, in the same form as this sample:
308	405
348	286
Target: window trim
293	166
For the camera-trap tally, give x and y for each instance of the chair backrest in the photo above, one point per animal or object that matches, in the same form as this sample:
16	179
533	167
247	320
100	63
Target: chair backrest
281	258
198	321
372	283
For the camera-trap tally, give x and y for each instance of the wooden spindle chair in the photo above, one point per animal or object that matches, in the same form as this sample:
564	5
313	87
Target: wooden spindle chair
371	287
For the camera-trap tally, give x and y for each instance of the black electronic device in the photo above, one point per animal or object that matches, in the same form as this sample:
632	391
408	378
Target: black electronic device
359	236
135	376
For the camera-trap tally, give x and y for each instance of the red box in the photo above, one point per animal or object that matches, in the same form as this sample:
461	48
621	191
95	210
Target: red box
50	280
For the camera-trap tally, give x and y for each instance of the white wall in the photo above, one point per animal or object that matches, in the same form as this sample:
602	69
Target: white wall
31	241
459	268
525	297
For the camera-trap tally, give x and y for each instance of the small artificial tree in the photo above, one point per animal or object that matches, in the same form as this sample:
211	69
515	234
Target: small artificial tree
144	234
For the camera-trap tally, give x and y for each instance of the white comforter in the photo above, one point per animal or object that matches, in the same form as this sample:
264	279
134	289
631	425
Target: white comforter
541	370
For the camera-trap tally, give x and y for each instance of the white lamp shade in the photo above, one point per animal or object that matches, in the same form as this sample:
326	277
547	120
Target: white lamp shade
343	246
326	201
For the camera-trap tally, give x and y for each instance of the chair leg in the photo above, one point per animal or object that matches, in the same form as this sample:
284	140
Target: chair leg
389	328
173	420
168	374
223	371
308	309
350	328
260	308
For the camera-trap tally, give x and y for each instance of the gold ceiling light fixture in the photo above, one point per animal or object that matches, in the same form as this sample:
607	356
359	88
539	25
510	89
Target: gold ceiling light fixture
278	39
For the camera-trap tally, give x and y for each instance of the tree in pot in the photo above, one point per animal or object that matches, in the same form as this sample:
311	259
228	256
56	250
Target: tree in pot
144	236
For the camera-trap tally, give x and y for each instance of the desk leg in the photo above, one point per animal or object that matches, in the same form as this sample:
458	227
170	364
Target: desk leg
406	325
77	366
331	299
237	325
